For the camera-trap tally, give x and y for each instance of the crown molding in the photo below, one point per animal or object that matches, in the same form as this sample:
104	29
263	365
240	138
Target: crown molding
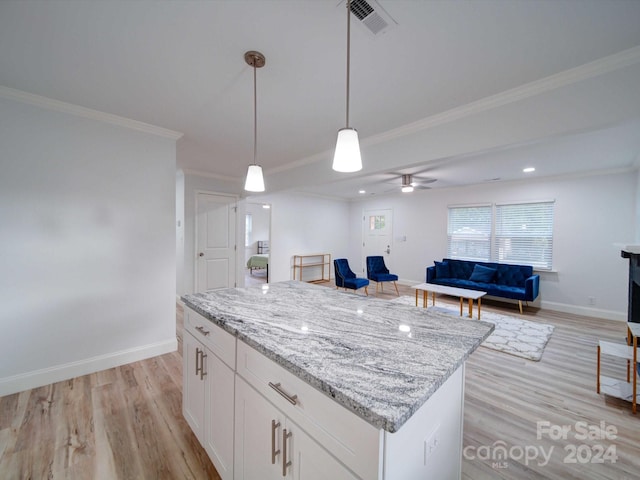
77	110
589	70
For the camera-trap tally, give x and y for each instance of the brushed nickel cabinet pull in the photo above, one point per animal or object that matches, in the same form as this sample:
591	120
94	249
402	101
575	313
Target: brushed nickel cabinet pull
202	357
285	435
289	398
274	452
198	366
202	330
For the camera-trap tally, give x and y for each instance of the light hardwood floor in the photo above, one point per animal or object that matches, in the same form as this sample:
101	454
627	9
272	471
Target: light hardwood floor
126	422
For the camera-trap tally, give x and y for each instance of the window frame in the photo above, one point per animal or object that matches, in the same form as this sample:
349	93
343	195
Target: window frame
498	219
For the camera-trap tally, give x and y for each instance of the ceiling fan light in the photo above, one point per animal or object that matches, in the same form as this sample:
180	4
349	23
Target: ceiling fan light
255	180
347	155
407	189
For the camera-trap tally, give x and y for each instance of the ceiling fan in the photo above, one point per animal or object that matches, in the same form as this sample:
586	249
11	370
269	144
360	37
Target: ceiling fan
410	182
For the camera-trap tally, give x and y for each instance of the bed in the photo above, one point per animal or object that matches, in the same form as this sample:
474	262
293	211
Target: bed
260	260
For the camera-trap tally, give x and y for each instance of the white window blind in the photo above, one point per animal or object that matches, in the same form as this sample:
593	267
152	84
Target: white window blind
524	234
469	232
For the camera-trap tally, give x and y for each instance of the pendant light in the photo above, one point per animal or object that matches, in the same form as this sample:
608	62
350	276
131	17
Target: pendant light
347	155
255	180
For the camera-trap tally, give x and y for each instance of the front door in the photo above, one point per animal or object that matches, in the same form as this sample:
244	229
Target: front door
377	228
215	241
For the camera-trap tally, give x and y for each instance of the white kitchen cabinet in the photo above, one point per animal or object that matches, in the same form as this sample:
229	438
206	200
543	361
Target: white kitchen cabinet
208	391
269	445
193	390
239	404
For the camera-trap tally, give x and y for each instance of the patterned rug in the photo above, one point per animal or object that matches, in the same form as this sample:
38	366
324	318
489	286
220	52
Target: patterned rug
512	335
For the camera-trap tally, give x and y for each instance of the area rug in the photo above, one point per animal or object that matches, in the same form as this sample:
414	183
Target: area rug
512	335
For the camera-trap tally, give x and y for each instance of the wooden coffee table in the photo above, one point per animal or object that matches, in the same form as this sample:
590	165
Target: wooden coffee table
463	293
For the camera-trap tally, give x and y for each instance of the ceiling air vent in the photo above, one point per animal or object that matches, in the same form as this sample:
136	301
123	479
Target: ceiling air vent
371	15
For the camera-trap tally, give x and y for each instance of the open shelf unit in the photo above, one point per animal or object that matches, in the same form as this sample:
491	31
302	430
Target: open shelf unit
319	261
615	387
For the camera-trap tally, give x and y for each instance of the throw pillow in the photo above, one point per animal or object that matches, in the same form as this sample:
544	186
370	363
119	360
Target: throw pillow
442	269
482	274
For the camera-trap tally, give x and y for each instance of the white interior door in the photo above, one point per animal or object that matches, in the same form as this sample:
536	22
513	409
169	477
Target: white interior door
215	242
377	228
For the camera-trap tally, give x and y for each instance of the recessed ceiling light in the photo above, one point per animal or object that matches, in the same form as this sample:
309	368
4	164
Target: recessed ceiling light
266	205
528	169
361	192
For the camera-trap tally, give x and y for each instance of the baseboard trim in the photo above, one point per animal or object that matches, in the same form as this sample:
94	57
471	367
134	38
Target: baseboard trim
586	311
58	373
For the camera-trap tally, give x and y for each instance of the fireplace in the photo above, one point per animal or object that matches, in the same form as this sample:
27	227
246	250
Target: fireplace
633	314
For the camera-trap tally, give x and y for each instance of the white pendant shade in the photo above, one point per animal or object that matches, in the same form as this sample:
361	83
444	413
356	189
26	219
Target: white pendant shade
407	189
255	180
347	155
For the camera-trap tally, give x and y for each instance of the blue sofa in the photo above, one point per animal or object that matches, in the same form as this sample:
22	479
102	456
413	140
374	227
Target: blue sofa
516	282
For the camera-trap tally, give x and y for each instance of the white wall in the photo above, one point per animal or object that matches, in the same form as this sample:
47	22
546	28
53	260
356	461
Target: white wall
303	224
88	245
591	214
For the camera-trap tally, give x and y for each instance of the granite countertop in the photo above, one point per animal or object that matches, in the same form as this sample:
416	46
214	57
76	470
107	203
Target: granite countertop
379	359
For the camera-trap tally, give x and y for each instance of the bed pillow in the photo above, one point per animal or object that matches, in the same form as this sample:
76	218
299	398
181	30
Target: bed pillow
482	274
442	269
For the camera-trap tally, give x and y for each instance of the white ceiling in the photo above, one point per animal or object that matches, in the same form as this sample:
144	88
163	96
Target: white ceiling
464	91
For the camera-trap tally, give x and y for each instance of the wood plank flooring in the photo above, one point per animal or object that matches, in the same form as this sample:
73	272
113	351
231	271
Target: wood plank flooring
126	422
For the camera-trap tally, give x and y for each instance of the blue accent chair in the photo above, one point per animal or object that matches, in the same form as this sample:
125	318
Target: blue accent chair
378	272
345	278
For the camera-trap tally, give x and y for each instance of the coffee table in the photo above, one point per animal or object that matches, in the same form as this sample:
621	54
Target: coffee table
463	293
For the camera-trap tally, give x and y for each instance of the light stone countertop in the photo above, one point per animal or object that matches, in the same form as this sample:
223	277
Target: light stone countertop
379	359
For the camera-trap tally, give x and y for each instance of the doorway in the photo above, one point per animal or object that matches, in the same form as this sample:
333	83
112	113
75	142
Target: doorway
377	230
215	242
257	243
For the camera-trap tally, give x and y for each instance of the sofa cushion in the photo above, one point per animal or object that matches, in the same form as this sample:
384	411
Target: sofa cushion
482	274
442	269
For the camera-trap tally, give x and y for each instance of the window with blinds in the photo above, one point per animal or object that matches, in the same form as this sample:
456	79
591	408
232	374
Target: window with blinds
469	232
524	234
516	233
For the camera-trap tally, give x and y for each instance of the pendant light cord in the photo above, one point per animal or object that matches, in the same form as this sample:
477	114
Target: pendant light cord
348	54
255	114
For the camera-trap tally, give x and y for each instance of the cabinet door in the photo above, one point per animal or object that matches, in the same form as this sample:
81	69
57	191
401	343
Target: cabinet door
309	461
256	441
219	415
193	385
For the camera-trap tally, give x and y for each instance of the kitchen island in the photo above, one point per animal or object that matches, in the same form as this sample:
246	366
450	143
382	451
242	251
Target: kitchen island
312	383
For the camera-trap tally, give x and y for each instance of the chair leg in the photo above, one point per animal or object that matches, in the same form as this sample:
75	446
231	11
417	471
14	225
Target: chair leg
366	291
395	285
520	304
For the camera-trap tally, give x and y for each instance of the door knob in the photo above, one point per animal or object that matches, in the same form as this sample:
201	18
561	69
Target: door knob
201	254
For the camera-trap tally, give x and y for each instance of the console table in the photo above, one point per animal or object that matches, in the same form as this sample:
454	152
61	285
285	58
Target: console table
320	261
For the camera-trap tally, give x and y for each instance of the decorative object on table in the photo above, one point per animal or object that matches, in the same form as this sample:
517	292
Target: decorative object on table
516	282
255	180
345	278
378	272
512	335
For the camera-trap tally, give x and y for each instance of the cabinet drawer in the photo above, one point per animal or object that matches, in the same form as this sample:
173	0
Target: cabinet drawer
346	436
222	343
